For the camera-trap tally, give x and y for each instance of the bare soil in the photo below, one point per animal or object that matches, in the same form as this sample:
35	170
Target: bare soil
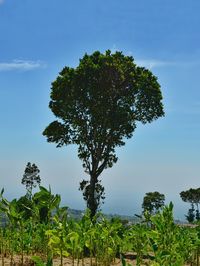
56	262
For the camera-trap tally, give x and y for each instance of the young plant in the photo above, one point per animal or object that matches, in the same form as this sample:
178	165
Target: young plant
57	236
164	239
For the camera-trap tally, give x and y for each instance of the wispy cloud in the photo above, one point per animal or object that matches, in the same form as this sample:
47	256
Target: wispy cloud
152	63
158	63
148	63
1	2
20	65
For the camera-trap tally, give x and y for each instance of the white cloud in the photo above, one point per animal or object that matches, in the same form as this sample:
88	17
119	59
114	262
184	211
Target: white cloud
154	63
148	63
157	63
20	65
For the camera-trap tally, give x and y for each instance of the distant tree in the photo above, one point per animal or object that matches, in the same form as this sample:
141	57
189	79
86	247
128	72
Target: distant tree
98	104
190	215
192	196
31	178
152	202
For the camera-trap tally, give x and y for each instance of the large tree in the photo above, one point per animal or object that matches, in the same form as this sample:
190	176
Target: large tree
98	104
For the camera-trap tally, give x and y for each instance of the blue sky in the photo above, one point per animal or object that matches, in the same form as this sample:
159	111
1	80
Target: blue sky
38	38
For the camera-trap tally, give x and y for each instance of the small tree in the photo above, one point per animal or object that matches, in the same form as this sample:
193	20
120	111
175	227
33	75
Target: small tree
98	105
152	202
190	215
192	196
31	178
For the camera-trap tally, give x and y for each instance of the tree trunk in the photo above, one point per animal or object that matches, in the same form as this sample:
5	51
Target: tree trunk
92	204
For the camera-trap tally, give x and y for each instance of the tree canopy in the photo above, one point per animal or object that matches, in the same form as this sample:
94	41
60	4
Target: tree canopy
152	202
192	196
98	104
31	178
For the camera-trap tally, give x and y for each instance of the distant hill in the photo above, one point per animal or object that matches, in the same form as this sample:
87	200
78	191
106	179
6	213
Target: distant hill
77	214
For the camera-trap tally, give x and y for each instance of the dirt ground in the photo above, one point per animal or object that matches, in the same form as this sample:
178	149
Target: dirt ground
56	262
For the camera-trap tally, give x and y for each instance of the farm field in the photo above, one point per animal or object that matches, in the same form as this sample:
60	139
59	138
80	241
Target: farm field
56	262
40	230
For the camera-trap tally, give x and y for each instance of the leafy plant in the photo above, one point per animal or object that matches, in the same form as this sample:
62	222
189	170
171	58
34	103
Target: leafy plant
164	239
39	262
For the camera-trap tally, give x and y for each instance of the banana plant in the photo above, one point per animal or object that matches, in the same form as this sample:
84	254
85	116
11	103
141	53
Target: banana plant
46	203
14	217
83	227
108	240
139	240
57	240
163	239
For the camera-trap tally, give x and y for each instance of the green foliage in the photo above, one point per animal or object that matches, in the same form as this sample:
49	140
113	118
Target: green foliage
169	242
192	196
98	104
45	203
85	187
152	202
138	241
162	244
191	215
39	262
